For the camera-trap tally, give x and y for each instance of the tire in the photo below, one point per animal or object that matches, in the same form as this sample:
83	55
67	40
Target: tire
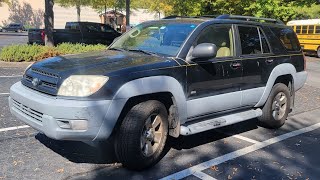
137	135
318	52
277	107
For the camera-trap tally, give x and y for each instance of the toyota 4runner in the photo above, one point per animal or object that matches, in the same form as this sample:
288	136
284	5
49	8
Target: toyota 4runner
176	76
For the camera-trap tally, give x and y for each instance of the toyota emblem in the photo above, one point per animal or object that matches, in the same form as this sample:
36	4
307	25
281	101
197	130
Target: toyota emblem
35	82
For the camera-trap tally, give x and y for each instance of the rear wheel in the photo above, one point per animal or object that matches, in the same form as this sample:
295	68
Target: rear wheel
277	107
142	135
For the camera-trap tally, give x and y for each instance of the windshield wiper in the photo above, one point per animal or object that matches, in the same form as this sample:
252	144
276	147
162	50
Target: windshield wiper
143	51
116	49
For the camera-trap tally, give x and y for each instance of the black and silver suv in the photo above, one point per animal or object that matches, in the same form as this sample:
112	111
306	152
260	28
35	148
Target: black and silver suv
172	77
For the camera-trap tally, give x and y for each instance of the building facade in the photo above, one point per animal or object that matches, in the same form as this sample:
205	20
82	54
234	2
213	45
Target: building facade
31	12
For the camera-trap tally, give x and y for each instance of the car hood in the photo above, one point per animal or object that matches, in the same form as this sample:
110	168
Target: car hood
100	63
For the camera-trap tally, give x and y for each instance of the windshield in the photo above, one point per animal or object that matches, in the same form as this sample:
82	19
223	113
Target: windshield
160	37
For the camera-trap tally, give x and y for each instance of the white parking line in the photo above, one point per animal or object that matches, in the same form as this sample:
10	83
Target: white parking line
203	176
246	139
4	93
11	76
13	128
241	152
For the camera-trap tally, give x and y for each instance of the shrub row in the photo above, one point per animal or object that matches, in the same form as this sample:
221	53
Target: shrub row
18	53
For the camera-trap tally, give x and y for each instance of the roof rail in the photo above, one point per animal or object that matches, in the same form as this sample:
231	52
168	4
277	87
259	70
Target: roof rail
249	18
204	16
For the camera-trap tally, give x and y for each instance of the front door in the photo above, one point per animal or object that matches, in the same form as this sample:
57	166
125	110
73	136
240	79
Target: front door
213	85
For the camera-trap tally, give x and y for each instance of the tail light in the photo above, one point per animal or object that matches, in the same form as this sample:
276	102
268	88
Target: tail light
43	35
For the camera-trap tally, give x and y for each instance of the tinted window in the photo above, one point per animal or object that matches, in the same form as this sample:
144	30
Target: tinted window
72	26
250	40
221	36
265	46
311	28
287	38
106	28
304	29
298	29
318	29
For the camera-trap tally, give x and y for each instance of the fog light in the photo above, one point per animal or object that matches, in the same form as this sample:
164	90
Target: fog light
79	124
73	124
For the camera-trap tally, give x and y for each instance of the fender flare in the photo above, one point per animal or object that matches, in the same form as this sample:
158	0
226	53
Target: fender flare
279	70
156	84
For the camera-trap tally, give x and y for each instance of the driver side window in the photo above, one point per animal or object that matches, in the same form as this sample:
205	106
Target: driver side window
221	36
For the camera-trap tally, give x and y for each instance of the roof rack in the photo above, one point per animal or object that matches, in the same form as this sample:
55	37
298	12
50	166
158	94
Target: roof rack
249	18
226	16
204	16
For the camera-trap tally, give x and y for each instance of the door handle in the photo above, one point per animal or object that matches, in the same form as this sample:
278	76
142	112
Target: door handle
235	65
269	61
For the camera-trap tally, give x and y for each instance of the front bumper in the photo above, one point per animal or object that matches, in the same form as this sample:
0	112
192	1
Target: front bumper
44	112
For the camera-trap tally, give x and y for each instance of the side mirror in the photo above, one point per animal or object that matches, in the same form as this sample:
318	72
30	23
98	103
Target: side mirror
204	50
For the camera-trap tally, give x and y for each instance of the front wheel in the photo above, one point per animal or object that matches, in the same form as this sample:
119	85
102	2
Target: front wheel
142	135
318	52
277	107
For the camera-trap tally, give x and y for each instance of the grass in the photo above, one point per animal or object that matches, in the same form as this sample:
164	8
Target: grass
28	53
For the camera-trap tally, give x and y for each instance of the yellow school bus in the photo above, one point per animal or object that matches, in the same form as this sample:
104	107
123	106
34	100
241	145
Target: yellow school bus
308	32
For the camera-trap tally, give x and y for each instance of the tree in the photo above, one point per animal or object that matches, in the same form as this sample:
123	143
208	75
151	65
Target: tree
48	22
74	3
4	1
158	6
127	15
24	14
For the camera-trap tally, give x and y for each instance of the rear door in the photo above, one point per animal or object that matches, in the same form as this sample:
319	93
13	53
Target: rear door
213	85
255	55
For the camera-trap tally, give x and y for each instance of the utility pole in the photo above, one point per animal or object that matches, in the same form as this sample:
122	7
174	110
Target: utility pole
48	22
128	15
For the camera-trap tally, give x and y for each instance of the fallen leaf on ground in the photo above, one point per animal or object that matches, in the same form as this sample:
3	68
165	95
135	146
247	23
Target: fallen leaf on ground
60	170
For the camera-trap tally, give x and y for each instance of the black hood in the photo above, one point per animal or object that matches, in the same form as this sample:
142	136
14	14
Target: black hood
100	63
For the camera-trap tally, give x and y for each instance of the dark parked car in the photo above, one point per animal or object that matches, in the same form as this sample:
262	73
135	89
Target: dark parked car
16	27
172	77
77	32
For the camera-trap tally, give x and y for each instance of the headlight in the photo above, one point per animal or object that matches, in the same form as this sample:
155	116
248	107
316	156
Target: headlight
82	85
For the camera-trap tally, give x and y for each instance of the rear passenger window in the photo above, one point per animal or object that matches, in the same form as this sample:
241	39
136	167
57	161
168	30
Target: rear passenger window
265	46
250	40
287	38
298	29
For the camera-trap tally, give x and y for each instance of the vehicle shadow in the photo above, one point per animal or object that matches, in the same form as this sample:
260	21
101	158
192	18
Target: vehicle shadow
80	152
189	142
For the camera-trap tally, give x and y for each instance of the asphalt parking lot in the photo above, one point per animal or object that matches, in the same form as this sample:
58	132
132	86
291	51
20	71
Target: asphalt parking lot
9	38
240	151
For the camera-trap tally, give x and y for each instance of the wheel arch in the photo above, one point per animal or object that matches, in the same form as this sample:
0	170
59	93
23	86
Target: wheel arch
165	89
282	73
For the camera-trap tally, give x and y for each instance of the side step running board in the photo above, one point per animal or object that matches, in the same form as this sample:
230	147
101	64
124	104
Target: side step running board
219	122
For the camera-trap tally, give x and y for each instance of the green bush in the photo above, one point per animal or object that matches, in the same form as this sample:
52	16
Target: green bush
18	53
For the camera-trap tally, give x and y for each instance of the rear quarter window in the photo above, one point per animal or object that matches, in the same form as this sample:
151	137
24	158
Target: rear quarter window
288	38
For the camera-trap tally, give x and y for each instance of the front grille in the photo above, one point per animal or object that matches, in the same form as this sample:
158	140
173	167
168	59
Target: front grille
41	72
48	82
36	115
